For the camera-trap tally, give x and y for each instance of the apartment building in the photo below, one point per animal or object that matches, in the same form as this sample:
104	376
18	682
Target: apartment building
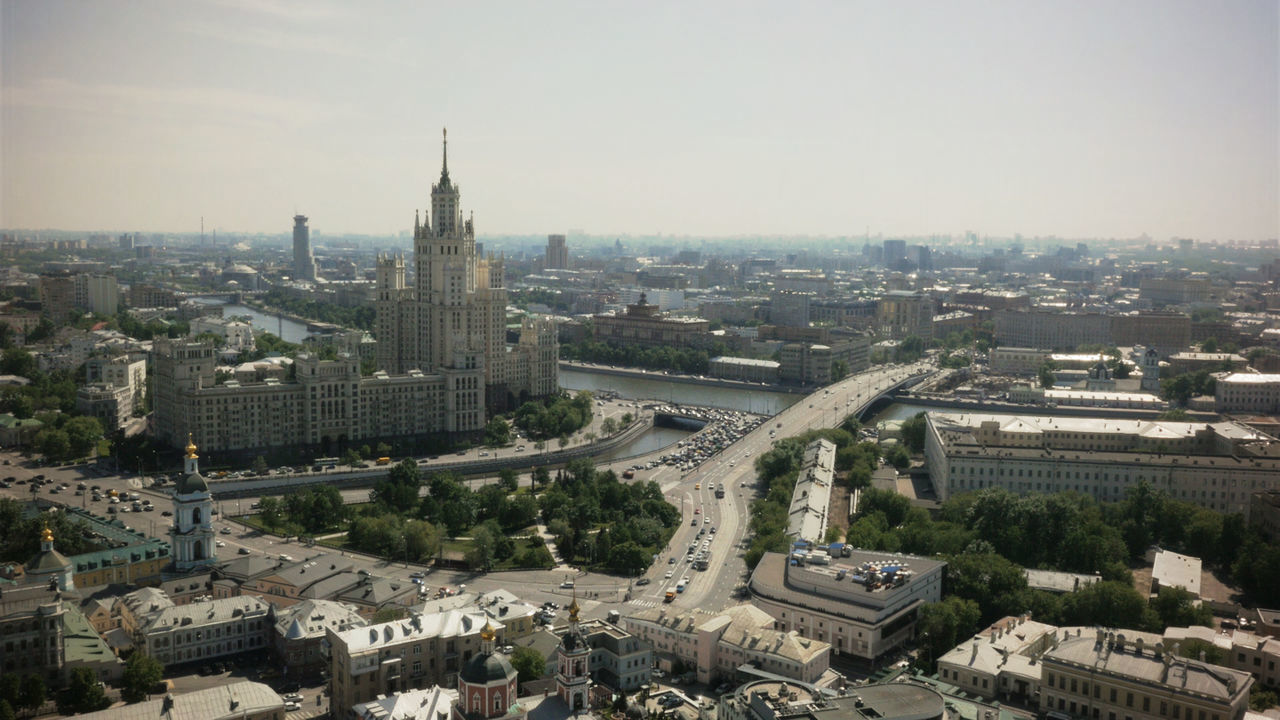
127	371
1258	655
111	404
327	405
1051	329
744	369
718	645
1112	675
31	630
204	630
903	313
645	325
864	605
235	334
1214	465
618	659
415	652
300	631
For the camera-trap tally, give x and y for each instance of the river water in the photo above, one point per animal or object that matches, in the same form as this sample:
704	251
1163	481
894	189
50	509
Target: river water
754	401
278	325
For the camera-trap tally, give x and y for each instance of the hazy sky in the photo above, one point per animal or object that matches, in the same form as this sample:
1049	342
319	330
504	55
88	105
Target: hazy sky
1075	118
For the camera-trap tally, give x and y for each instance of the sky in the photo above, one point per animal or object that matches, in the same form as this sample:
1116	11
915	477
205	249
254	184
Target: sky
1074	118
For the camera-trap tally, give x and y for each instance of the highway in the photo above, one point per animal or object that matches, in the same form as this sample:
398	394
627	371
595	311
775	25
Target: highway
694	492
713	589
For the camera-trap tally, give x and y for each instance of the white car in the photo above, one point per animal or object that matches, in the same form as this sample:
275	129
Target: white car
220	544
291	706
293	698
669	574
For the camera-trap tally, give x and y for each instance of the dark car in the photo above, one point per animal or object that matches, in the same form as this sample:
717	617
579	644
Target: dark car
167	513
243	551
642	581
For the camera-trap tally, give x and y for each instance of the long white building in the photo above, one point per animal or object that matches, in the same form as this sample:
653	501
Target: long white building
1215	465
1247	393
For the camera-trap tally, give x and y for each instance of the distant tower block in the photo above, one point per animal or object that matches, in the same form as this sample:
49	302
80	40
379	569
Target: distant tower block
304	265
1151	371
557	253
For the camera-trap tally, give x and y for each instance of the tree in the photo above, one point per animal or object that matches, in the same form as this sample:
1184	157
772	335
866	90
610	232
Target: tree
84	694
483	545
899	458
913	431
270	512
6	710
563	440
83	433
17	361
497	432
529	663
508	480
260	466
539	478
387	614
1046	376
33	693
11	689
53	444
1209	346
1177	608
1110	604
942	625
628	558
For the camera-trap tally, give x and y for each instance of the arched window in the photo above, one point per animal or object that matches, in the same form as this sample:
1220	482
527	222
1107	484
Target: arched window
195	516
476	704
497	701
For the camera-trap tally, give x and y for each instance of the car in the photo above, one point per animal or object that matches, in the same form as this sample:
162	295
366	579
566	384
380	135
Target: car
167	513
697	486
669	573
291	706
225	531
111	509
417	575
219	543
292	697
697	511
243	551
642	581
671	560
713	531
567	584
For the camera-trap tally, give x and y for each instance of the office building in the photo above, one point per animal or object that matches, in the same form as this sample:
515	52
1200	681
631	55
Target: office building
1214	465
557	253
790	308
1175	291
58	296
103	294
111	404
718	646
895	252
645	325
904	313
744	369
1254	653
304	265
864	605
807	364
1051	329
122	371
453	321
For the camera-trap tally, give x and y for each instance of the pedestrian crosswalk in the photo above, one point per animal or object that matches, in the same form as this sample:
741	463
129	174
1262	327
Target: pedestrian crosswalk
643	603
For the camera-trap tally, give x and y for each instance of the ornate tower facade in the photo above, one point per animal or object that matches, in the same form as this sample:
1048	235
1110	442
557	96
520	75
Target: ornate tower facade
191	536
573	670
452	319
1151	371
487	683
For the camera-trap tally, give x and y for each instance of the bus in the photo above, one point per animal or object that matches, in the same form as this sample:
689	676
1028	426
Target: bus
384	461
720	491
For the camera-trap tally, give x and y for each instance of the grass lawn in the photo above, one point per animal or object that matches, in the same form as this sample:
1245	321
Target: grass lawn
530	552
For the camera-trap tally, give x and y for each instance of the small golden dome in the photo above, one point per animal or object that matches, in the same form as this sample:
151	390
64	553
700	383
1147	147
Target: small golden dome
573	609
486	633
46	536
191	447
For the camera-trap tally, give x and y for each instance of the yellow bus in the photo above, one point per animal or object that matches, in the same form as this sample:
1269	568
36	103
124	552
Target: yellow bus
384	461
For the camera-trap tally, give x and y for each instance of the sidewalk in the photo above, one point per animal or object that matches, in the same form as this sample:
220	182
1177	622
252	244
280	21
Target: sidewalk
550	541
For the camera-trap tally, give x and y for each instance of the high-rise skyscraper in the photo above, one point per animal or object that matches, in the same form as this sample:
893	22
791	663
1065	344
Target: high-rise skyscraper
304	265
454	315
557	252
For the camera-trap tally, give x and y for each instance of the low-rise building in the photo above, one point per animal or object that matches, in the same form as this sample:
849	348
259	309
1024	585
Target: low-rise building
242	700
1247	393
744	369
235	334
431	703
864	606
1185	362
1214	465
84	647
285	585
1172	570
1000	661
807	518
205	630
1132	674
788	700
300	630
1254	653
31	630
1264	512
645	325
618	659
415	652
718	645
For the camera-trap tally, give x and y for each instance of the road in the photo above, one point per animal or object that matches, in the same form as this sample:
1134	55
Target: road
693	492
713	589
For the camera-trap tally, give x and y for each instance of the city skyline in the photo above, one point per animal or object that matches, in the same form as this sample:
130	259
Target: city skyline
1076	120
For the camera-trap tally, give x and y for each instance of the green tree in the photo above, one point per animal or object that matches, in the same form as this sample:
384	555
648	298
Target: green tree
497	432
422	540
1110	604
17	361
83	694
11	689
529	664
6	710
913	431
260	465
1046	376
387	614
509	480
899	458
83	433
33	692
628	558
351	457
53	444
483	546
943	625
1178	608
383	450
271	512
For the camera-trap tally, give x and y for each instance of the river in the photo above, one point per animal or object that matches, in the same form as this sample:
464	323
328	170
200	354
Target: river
278	325
897	411
636	388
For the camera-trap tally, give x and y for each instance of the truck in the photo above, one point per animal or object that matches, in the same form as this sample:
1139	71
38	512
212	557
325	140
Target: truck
669	597
681	585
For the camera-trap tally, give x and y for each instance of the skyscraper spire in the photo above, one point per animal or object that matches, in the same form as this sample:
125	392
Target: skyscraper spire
444	169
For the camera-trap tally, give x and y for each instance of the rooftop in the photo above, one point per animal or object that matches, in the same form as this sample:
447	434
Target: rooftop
225	702
310	618
1142	658
206	613
1174	570
1250	378
451	623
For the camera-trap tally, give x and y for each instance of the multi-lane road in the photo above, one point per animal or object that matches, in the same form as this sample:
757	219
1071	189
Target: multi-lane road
693	492
713	589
